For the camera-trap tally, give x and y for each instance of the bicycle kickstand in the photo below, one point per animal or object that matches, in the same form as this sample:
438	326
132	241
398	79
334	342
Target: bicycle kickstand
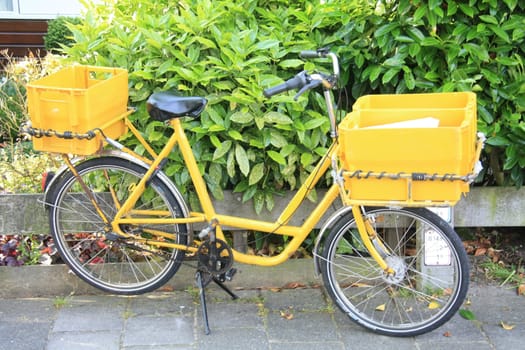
200	284
213	266
202	293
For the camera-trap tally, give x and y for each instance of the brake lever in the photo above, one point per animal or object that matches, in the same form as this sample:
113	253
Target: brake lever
311	85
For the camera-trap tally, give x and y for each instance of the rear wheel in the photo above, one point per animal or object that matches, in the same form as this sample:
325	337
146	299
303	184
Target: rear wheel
134	264
430	264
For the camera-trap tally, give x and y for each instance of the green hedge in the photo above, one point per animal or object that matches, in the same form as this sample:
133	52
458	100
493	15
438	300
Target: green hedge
229	51
58	34
426	46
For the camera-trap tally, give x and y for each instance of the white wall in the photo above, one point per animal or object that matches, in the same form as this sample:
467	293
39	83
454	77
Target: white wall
38	9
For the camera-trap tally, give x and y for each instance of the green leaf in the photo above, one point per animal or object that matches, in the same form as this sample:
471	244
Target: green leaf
500	32
256	174
206	42
215	116
223	85
165	67
292	63
414	49
215	141
234	134
230	164
430	41
394	62
404	39
306	159
466	9
259	122
216	128
477	51
467	314
214	187
222	150
421	12
512	157
276	156
391	73
374	73
511	4
155	136
267	44
249	193
492	77
277	118
385	29
277	139
258	202
415	33
315	123
489	19
498	141
452	8
409	80
433	4
242	159
242	117
270	202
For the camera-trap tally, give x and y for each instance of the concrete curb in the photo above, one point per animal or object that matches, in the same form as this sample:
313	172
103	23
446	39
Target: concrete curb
58	280
483	206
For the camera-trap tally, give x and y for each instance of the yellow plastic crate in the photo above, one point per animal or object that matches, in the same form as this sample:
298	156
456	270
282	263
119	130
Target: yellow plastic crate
78	99
411	133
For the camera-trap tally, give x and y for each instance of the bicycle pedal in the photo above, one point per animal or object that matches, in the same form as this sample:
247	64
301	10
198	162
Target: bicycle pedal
230	273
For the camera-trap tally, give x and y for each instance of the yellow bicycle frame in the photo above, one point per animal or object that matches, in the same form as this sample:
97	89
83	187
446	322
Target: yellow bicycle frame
208	214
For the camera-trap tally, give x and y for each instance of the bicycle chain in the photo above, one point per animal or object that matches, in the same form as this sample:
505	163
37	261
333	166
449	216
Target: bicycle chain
213	265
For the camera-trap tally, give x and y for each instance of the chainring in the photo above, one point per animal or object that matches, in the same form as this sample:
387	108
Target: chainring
215	258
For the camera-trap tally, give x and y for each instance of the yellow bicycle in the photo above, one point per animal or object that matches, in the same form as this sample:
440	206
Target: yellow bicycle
390	264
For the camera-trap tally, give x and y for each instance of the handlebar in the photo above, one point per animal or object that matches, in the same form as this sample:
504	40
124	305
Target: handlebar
311	54
294	83
304	81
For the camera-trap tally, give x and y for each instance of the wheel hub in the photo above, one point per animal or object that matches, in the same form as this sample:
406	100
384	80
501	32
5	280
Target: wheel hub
397	264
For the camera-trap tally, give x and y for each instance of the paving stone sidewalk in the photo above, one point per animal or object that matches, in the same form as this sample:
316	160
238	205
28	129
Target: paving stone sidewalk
260	319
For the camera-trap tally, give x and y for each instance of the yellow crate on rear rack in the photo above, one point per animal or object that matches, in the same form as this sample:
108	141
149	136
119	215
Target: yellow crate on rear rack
409	134
78	99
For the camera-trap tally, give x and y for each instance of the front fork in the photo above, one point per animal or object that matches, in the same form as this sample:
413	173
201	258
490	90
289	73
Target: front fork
369	237
368	234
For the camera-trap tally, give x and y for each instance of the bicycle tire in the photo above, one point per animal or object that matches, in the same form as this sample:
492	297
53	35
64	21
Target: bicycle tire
431	265
100	257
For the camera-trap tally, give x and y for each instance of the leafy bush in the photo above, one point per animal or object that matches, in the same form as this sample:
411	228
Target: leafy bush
21	169
18	250
229	52
13	105
428	46
58	33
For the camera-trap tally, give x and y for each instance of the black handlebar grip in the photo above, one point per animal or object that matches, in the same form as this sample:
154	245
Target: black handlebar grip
310	54
296	82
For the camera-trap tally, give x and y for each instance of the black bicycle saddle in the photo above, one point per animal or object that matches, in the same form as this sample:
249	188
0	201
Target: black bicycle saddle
163	106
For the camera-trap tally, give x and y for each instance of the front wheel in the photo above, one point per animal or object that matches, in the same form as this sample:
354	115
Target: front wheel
431	271
138	262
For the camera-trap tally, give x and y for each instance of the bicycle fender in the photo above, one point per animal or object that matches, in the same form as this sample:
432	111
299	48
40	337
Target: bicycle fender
48	193
324	229
119	154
